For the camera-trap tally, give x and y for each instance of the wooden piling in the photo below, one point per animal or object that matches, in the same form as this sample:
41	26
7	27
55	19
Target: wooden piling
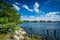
47	34
55	37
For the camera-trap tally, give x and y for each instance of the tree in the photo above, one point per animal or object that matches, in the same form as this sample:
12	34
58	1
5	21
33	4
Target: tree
8	12
9	17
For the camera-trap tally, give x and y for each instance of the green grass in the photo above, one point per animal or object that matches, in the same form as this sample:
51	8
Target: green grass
4	36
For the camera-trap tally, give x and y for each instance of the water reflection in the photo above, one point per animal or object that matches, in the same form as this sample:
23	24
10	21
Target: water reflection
50	30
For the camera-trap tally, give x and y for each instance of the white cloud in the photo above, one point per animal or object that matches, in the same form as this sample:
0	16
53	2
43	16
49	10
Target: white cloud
47	2
17	8
49	16
52	16
51	13
36	10
17	3
26	7
36	6
31	17
30	10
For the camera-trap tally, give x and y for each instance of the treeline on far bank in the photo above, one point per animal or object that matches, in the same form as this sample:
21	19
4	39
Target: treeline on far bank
37	21
40	21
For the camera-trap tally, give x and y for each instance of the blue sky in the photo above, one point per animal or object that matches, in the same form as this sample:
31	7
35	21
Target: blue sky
37	9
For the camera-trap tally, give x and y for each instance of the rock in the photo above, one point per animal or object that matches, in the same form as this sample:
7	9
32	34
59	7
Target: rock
16	37
20	34
22	37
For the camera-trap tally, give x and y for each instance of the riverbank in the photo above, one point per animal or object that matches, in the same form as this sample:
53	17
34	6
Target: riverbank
20	34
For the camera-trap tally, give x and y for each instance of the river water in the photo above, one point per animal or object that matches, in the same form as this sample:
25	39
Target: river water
50	30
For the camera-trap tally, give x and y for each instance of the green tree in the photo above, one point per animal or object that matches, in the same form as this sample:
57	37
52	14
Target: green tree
9	17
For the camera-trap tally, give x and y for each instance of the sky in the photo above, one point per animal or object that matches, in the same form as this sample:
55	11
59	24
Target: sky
37	9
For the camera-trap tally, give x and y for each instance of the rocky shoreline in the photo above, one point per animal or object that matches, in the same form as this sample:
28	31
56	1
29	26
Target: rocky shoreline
20	34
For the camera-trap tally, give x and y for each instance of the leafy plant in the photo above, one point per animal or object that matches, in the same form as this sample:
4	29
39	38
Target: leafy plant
9	18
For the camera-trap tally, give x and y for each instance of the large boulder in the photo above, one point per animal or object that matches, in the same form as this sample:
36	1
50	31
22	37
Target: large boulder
20	34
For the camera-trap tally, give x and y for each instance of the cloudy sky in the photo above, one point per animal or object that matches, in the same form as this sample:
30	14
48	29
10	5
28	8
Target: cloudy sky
37	9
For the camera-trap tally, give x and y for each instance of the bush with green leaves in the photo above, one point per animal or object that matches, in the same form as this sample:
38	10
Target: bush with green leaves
9	17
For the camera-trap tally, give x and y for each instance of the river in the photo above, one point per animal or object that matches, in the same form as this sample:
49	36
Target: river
50	30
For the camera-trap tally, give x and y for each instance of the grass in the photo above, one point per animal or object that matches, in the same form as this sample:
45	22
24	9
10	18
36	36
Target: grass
4	36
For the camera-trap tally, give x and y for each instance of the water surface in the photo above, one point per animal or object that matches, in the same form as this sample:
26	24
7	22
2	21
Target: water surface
44	29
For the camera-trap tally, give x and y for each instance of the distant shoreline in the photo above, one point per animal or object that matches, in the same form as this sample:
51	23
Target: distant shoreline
40	21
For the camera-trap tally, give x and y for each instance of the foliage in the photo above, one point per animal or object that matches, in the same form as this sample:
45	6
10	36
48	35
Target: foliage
8	14
9	18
